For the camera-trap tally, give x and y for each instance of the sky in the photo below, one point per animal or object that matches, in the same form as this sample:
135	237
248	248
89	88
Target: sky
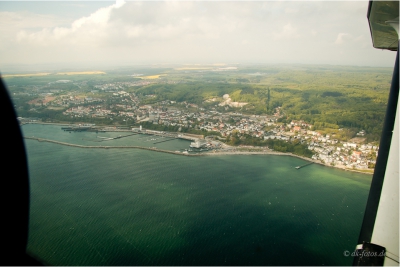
104	34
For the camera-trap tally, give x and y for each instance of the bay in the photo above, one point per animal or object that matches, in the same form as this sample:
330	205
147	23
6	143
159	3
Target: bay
138	207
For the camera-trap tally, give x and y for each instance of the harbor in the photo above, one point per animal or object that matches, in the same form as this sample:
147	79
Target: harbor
145	138
111	147
198	144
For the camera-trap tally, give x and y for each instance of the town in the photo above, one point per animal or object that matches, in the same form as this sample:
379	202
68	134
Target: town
219	121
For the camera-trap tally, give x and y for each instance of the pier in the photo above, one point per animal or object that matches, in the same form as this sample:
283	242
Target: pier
112	147
119	137
103	139
302	166
78	128
166	140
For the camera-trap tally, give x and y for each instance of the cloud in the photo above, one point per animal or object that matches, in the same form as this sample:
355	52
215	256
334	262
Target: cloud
291	10
189	31
314	33
343	37
82	30
288	32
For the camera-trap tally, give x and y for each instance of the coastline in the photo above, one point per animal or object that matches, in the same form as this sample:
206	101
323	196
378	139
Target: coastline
215	153
287	154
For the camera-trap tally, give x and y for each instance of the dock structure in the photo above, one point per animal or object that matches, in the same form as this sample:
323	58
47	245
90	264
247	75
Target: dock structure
198	143
112	138
122	136
113	147
166	140
76	128
301	166
168	134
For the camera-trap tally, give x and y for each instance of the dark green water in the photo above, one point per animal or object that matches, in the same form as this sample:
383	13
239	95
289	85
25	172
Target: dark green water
137	207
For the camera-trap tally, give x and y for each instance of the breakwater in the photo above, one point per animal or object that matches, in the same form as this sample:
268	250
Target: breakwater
112	147
214	153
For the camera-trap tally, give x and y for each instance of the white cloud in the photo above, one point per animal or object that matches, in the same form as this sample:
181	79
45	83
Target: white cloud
183	31
291	10
314	33
83	30
288	32
342	38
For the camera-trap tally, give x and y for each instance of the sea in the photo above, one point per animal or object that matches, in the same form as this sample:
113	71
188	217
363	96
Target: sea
125	206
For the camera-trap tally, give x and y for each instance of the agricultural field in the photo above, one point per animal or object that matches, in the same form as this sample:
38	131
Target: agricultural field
81	73
26	75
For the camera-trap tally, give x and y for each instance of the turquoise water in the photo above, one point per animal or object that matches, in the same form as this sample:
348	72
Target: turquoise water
138	207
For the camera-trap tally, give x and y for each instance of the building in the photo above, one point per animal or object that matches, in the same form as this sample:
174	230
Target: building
198	143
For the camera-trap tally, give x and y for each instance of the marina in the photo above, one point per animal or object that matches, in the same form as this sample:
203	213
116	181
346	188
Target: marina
108	147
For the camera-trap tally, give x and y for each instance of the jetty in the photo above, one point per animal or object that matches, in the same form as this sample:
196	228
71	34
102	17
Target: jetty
122	136
78	128
302	166
112	147
166	140
109	138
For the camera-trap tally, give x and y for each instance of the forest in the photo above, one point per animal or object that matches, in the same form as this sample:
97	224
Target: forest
327	97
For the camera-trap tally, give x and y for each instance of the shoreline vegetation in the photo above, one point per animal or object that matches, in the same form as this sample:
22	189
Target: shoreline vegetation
242	151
